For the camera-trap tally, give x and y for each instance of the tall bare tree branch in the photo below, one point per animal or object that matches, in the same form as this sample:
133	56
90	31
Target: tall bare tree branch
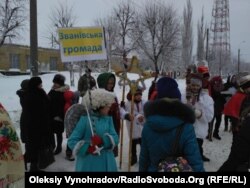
12	19
187	35
111	33
124	14
156	32
61	16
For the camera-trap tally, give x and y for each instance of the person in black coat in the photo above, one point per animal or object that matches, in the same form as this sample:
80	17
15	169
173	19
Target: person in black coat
22	94
39	135
57	102
239	156
82	86
219	101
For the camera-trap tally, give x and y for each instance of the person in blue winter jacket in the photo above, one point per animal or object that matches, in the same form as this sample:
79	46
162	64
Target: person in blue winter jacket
163	116
94	137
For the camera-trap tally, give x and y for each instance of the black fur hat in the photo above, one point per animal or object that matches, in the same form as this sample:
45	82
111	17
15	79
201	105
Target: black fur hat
35	82
25	84
59	79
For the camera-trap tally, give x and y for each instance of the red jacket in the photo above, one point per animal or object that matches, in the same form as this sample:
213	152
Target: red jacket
68	97
232	107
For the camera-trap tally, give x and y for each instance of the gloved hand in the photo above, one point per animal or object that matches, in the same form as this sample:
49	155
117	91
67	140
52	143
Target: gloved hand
91	149
96	140
95	150
129	117
198	113
140	118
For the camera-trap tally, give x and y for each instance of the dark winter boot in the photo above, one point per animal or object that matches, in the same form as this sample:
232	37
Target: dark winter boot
34	168
133	161
217	136
205	159
69	155
25	161
58	150
59	144
210	139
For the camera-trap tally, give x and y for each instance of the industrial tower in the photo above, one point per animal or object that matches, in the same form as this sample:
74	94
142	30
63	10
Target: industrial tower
220	27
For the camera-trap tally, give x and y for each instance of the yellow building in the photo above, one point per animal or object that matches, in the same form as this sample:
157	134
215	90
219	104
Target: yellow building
16	58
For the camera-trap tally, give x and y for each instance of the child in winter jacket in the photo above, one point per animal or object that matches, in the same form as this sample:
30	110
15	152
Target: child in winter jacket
107	81
138	119
94	136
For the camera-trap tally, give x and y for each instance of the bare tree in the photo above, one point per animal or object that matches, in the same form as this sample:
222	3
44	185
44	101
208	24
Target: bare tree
12	19
124	15
111	34
187	35
61	16
156	32
201	39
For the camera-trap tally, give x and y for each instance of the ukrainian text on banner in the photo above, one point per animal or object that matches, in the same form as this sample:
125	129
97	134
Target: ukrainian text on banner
82	44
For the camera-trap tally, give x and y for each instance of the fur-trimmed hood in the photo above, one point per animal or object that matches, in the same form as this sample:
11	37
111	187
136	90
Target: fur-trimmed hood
62	89
102	80
165	114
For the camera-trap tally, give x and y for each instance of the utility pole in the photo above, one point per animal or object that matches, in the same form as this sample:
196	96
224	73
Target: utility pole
33	38
220	68
238	60
207	45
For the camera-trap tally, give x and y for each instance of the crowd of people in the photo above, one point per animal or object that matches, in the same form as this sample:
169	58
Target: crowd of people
94	140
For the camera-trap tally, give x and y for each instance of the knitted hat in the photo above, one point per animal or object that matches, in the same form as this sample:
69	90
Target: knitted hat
99	98
35	82
204	71
59	79
168	87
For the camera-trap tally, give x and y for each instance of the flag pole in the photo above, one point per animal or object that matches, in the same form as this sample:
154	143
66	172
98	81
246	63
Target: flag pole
133	87
123	99
133	84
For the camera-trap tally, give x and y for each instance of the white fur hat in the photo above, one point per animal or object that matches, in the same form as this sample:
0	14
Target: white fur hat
99	98
242	78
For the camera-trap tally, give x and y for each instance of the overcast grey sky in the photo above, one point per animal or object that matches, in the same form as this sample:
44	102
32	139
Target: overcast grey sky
87	11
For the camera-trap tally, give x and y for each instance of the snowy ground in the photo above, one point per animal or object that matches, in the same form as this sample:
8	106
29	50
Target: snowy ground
217	150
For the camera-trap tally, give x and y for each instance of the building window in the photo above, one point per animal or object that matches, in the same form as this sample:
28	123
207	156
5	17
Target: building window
14	61
53	61
28	65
